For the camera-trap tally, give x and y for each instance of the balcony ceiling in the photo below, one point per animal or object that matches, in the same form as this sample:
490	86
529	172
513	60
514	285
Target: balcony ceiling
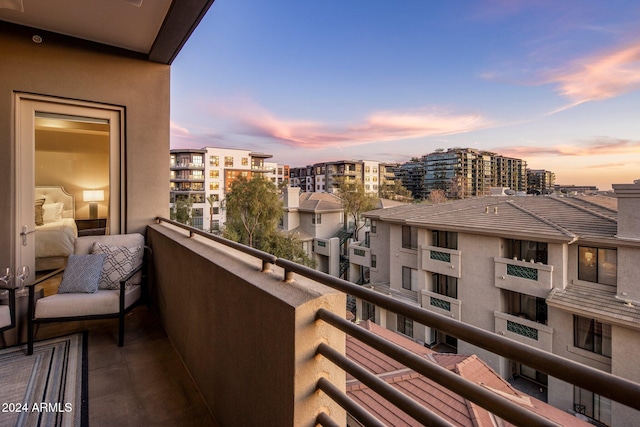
156	29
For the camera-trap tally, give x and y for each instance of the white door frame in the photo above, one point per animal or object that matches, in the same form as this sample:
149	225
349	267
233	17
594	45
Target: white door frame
26	107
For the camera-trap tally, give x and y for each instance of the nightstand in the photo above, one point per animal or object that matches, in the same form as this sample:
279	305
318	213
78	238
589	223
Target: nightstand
91	227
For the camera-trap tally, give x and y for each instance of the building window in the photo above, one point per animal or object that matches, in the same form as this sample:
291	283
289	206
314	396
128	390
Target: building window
214	186
592	405
245	161
444	239
404	325
374	226
214	161
216	210
527	250
597	265
197	159
228	161
214	197
368	311
526	306
445	285
409	278
409	237
316	219
373	261
591	335
214	173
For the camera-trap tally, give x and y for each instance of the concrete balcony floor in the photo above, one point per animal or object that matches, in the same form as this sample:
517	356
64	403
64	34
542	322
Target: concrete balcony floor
142	383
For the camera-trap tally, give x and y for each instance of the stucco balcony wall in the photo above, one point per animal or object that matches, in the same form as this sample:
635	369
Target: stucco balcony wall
538	286
431	261
543	334
247	338
437	303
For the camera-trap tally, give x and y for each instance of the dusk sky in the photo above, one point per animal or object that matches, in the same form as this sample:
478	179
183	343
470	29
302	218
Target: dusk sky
556	83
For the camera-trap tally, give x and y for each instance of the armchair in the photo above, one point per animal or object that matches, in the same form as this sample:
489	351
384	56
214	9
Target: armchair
8	312
102	279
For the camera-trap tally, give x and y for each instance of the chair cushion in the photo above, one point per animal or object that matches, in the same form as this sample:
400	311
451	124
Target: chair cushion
75	305
119	262
82	273
5	316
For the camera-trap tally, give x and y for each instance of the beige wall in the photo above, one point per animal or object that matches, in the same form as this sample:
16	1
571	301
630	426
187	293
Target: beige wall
141	87
75	161
247	338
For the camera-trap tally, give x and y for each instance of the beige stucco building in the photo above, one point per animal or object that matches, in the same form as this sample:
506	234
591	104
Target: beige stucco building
555	273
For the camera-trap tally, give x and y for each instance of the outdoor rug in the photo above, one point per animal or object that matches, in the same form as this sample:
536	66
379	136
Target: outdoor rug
48	388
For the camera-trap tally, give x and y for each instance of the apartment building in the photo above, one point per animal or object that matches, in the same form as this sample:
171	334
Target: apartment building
205	175
324	177
559	274
462	172
317	219
540	181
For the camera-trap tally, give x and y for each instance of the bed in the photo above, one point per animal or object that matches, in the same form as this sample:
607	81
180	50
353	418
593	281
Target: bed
56	235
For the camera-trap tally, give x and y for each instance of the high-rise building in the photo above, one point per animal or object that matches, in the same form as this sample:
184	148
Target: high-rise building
462	172
205	175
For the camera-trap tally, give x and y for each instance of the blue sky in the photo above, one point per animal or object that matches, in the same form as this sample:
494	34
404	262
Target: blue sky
556	83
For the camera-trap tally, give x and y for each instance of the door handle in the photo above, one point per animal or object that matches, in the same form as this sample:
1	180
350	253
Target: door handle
24	233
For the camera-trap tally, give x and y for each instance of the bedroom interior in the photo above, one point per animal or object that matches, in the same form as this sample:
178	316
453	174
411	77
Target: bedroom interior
72	184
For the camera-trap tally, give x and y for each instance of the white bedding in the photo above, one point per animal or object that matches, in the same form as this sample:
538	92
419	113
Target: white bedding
56	239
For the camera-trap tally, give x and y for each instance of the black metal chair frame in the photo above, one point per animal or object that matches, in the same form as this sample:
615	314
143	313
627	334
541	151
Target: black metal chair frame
12	306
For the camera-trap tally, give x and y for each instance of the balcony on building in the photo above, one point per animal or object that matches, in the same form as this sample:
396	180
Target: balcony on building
523	276
441	304
442	261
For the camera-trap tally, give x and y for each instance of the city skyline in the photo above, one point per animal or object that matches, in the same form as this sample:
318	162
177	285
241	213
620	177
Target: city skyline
553	84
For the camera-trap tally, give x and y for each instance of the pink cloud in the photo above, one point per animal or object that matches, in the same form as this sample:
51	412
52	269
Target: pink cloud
598	147
251	119
599	77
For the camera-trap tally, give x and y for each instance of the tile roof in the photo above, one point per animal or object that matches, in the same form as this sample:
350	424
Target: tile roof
428	393
553	218
595	303
316	202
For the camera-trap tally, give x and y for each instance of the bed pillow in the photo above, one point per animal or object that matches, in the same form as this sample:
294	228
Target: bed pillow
119	262
82	274
52	212
39	211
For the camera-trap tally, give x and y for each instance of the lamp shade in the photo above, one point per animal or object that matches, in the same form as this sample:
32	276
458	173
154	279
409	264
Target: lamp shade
93	195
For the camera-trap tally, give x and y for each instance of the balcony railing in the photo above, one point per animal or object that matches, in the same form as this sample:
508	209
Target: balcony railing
605	384
524	277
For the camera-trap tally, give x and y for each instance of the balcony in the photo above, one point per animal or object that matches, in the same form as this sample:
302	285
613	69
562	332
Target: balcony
253	331
523	330
197	178
441	304
524	277
360	254
186	165
442	261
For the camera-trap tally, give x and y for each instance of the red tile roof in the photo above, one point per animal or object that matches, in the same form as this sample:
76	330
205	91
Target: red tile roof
428	393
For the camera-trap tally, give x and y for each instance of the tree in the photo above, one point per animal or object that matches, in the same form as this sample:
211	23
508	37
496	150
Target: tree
253	210
356	201
182	209
211	199
437	196
396	191
286	246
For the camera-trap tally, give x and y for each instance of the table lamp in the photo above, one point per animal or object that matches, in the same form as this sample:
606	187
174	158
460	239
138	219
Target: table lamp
93	196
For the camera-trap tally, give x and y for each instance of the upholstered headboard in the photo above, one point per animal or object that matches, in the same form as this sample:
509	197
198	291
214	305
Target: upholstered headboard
56	194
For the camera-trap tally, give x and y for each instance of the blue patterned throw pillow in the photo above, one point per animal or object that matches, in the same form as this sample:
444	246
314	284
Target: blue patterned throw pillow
119	262
82	274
